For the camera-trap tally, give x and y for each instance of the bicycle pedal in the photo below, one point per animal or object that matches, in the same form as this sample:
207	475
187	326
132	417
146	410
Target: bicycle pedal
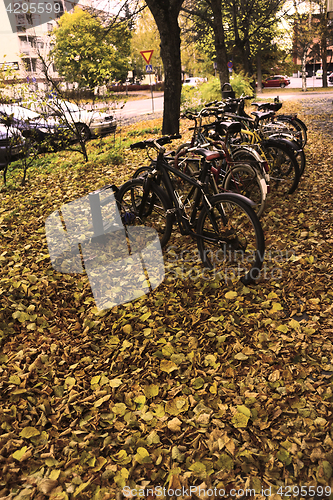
127	217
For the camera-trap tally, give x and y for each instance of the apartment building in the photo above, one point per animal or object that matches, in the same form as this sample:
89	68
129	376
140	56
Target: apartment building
25	28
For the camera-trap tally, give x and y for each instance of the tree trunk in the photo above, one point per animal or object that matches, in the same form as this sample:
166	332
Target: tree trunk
247	63
219	42
304	71
259	75
324	60
166	18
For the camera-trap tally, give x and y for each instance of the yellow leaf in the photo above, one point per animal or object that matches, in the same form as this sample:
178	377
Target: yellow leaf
142	456
175	425
282	328
151	391
54	474
176	406
116	382
168	366
276	306
69	381
295	325
14	379
245	410
239	420
29	432
81	488
145	316
102	400
18	454
230	295
95	380
100	462
240	356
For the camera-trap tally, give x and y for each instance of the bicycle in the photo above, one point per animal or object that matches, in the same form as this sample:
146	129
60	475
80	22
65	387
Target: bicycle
287	129
284	170
229	236
242	171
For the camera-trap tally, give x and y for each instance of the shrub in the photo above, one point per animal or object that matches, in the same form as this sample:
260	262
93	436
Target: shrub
211	90
190	98
241	84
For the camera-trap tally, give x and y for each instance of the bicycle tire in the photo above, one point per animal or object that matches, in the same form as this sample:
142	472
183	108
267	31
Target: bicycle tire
155	212
300	157
284	170
296	148
141	171
244	179
250	156
237	247
304	129
296	125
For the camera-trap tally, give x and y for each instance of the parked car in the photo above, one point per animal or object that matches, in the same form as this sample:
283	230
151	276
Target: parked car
86	122
330	77
194	81
276	81
31	124
11	145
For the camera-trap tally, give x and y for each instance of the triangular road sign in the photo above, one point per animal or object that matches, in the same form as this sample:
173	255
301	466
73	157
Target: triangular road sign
146	54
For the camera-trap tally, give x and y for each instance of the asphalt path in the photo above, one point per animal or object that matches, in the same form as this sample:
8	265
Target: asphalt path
134	110
311	82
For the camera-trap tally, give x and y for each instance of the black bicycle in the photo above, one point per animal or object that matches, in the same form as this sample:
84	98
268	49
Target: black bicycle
229	235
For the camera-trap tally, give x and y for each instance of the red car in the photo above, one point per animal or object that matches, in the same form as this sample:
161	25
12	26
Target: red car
276	81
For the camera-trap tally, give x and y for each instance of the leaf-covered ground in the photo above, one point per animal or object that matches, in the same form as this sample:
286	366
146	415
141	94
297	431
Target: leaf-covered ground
195	384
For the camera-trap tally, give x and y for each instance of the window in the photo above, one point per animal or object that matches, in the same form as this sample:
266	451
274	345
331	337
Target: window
58	8
30	65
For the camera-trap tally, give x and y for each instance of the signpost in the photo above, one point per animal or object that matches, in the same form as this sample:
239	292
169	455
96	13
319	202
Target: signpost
230	65
146	54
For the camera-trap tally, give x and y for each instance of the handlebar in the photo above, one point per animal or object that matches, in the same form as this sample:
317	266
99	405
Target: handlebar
155	143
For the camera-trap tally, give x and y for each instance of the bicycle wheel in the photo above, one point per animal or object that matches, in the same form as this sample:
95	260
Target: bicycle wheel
231	240
141	172
284	170
153	214
295	126
300	157
296	149
244	179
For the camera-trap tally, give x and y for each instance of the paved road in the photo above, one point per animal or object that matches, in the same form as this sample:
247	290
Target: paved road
311	82
133	109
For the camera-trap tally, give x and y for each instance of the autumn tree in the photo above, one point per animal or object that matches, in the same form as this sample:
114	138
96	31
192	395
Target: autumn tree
303	33
323	35
240	30
208	21
88	52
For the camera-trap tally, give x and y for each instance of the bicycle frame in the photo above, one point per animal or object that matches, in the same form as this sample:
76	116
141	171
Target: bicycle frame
185	224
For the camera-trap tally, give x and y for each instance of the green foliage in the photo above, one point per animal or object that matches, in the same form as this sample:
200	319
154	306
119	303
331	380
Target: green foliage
88	53
190	98
211	90
144	131
241	84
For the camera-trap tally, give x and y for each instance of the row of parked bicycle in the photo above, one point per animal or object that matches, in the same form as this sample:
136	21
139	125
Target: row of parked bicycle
215	186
